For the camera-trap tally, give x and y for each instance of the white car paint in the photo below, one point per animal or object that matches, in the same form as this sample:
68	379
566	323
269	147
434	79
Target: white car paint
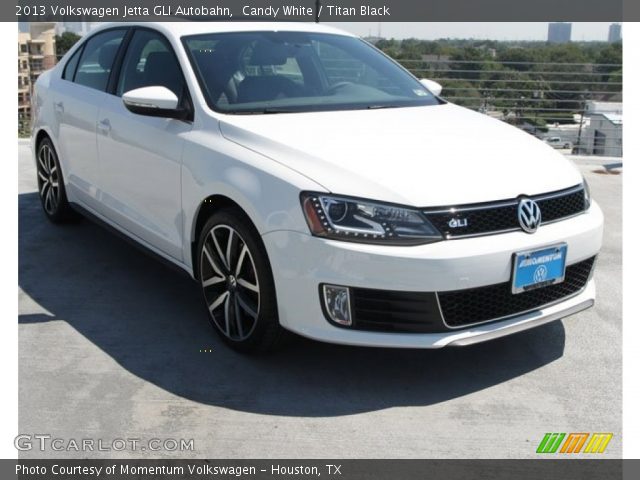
432	86
328	147
419	157
152	97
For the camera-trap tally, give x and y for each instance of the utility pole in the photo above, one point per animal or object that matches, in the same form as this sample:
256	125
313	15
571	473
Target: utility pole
584	104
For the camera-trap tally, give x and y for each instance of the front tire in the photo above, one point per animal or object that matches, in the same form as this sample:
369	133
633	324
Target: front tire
53	196
237	283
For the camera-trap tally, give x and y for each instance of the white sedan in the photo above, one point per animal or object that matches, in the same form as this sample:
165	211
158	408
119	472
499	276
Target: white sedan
557	142
308	183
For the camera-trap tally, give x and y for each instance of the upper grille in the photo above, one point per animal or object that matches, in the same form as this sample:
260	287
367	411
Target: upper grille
477	305
503	216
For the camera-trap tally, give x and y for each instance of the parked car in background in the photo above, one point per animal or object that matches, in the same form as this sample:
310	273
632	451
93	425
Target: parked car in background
308	184
557	142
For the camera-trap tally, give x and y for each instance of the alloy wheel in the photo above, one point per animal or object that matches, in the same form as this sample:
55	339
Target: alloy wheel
230	282
48	179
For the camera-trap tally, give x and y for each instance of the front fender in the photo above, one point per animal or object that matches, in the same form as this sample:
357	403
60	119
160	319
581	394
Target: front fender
267	191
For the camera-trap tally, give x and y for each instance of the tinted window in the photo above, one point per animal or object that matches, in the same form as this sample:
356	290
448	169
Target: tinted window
294	71
70	67
97	59
150	61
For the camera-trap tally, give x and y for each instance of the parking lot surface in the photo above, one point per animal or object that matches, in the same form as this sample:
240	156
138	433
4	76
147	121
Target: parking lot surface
114	345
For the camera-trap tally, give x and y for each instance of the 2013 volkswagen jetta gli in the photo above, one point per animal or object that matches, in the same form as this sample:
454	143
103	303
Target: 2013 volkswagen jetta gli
311	184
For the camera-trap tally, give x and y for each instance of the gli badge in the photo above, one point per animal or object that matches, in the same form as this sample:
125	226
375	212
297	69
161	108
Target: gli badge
458	223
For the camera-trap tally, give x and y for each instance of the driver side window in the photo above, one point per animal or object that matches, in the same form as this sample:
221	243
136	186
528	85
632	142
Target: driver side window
150	61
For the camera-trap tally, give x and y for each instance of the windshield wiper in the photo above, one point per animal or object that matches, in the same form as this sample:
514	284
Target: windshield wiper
268	110
279	110
380	107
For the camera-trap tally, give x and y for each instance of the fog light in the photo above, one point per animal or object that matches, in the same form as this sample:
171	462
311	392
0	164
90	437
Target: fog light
336	301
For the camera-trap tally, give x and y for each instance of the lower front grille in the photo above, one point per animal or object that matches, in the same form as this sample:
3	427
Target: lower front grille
430	312
467	307
392	311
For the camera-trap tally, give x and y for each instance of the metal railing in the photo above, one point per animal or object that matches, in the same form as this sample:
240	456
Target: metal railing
550	100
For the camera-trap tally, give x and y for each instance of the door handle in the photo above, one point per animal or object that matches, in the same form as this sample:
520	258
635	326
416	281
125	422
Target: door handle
104	126
59	107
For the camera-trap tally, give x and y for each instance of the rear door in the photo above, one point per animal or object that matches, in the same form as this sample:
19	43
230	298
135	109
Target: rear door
77	97
141	156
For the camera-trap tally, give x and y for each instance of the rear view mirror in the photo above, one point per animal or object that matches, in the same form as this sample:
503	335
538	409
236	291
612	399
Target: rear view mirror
433	87
154	102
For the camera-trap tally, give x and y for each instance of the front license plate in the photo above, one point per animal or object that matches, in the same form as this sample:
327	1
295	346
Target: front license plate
538	268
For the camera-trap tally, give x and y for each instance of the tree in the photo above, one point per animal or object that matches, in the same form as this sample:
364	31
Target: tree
65	41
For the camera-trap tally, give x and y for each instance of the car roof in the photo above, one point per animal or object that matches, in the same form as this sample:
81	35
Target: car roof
183	28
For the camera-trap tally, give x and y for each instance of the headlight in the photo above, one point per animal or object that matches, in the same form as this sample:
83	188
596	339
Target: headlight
587	194
355	220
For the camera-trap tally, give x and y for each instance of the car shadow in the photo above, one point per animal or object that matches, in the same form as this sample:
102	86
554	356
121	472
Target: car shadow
151	321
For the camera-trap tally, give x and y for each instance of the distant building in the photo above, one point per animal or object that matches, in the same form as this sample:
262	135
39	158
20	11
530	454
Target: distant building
603	132
559	32
79	28
36	53
615	33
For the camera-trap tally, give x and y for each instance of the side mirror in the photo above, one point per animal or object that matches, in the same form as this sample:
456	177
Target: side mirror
433	87
153	102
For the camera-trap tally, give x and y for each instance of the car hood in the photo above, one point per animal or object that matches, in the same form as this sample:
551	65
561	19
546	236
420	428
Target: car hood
421	156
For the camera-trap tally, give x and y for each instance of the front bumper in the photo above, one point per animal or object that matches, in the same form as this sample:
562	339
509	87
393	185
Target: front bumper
300	263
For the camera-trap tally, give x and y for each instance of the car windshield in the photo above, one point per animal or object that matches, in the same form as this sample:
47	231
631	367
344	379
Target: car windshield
278	72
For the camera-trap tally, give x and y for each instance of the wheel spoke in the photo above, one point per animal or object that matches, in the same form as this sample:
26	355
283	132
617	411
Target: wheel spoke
211	261
246	307
42	162
218	301
219	250
47	200
50	161
212	281
238	317
249	286
43	177
45	185
229	247
227	313
243	252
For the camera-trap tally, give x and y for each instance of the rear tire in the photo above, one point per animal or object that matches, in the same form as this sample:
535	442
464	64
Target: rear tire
237	283
53	196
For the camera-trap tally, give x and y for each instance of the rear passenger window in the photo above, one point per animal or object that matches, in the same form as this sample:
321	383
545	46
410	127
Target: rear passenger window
72	64
150	62
97	59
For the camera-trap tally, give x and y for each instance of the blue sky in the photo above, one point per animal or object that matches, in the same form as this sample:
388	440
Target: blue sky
483	30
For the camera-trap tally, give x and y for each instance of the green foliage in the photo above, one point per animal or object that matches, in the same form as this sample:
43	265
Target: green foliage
539	123
65	41
538	81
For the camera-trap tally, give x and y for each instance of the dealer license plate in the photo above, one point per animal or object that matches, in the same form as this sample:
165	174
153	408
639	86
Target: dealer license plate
538	268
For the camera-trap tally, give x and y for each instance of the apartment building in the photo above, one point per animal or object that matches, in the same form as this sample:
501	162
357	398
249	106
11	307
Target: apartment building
36	53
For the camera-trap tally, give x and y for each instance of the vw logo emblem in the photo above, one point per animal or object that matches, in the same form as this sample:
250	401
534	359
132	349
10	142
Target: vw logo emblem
540	275
529	215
